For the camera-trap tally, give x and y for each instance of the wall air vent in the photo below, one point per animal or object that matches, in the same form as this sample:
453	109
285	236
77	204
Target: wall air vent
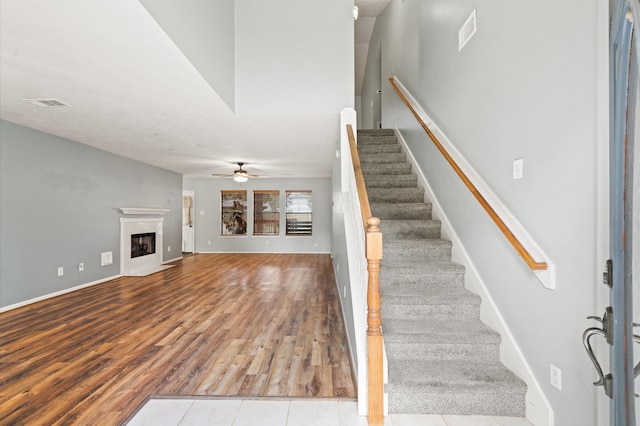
467	30
47	103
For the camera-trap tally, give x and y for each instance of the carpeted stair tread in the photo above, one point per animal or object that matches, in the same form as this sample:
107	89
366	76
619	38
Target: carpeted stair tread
454	387
437	303
391	181
440	340
434	311
416	250
377	140
393	195
408	268
448	331
429	296
378	149
385	169
448	375
375	133
410	228
457	387
380	158
428	273
442	351
398	211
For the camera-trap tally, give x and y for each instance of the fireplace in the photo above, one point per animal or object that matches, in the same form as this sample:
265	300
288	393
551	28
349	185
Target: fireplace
140	245
143	244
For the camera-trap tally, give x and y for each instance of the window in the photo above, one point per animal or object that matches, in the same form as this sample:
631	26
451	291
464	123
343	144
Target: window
266	212
233	218
299	213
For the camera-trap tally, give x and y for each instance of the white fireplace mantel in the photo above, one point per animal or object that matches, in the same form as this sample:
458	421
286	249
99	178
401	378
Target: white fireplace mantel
142	210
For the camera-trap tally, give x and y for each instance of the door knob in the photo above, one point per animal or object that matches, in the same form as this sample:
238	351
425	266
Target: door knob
607	332
586	336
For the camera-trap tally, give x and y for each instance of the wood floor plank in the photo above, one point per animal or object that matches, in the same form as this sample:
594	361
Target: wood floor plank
216	324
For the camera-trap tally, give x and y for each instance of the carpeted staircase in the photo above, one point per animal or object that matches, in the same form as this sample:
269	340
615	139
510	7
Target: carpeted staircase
442	358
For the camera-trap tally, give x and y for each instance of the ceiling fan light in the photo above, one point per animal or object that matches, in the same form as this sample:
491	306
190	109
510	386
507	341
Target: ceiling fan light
240	178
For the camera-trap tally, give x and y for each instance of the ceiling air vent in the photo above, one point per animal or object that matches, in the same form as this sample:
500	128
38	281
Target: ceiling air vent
48	103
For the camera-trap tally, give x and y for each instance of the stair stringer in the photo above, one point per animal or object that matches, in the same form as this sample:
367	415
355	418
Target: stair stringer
538	409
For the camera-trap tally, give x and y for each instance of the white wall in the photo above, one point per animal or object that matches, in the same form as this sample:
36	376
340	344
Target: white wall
526	86
341	262
204	31
271	77
207	212
249	51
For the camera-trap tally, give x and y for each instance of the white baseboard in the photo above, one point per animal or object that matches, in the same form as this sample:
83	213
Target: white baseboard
57	293
68	290
538	410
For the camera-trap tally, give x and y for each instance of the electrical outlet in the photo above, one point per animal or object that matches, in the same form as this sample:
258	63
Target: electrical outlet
60	271
555	376
209	242
80	267
168	248
517	168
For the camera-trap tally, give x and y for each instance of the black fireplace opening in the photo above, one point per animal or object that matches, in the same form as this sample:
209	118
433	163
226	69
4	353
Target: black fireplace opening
143	244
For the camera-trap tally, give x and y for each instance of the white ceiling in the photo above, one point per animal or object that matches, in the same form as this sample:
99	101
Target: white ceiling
132	92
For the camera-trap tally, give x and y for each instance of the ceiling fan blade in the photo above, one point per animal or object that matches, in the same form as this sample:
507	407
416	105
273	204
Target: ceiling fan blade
222	174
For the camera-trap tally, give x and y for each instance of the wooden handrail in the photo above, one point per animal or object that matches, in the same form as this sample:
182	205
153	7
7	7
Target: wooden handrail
517	245
373	253
365	208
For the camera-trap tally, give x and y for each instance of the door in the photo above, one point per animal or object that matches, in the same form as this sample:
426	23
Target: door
187	222
624	201
623	269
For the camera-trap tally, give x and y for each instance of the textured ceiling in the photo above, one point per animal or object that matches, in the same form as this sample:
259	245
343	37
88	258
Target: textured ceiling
132	92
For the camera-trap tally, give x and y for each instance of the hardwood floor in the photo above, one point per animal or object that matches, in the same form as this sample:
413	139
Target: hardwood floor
215	324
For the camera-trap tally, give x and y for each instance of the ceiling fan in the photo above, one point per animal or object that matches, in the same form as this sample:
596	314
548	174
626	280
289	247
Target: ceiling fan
239	175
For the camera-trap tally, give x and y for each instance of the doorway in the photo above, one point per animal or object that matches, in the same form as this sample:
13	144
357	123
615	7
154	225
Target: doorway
188	231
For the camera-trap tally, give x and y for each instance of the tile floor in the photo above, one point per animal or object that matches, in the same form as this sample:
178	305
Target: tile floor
247	412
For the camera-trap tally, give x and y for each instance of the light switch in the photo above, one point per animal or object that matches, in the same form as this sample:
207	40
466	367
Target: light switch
517	168
555	376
